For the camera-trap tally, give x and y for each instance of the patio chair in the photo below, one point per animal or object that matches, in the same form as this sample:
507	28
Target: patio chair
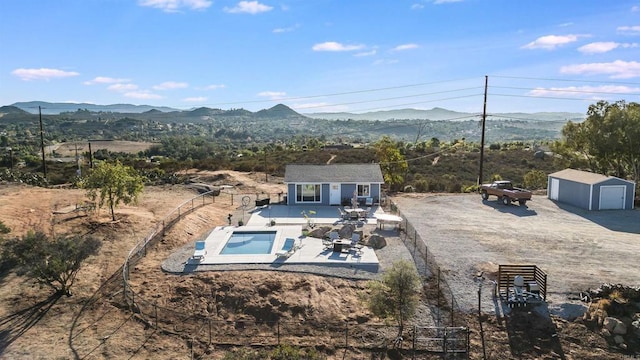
343	215
288	248
200	251
368	202
355	239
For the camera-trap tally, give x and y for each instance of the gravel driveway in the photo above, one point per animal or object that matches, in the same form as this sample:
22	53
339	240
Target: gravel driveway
578	249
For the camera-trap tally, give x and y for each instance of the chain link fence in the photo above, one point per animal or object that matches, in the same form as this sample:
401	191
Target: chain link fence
438	293
201	330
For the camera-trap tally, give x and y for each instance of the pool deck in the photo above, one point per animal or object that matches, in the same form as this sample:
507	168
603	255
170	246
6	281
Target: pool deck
309	250
312	256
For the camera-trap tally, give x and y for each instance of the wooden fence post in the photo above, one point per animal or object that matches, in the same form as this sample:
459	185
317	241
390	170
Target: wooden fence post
346	335
155	310
415	337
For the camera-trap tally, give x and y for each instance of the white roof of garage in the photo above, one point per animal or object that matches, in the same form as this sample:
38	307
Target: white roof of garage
584	177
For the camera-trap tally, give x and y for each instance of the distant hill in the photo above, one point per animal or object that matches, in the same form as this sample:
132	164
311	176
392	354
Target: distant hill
57	108
439	114
282	111
13	110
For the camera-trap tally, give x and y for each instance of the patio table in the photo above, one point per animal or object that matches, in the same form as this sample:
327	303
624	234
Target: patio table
355	213
388	218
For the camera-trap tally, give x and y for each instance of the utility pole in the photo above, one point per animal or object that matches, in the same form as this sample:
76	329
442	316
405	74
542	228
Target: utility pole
44	164
484	119
90	156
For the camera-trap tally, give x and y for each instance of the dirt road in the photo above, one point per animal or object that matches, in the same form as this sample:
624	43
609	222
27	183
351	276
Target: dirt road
577	249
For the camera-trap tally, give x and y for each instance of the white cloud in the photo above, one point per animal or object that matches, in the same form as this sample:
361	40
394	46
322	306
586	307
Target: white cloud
249	7
287	29
122	87
417	6
366	53
618	69
629	30
635	8
550	42
198	99
438	2
385	62
42	74
273	94
170	85
105	80
143	95
214	87
581	91
603	47
404	47
336	46
176	5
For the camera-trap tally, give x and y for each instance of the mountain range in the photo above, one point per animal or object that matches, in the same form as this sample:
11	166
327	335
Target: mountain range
283	111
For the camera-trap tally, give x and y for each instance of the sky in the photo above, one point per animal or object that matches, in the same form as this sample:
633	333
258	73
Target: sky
322	55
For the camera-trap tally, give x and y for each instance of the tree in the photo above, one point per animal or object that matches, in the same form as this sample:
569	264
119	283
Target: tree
609	139
535	179
112	183
396	296
392	162
52	262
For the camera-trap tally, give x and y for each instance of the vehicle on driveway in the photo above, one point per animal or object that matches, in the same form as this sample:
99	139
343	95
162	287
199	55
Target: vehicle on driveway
505	192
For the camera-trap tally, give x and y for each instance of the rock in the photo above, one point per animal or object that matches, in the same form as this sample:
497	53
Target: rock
620	329
618	339
319	232
377	241
346	231
611	323
635	325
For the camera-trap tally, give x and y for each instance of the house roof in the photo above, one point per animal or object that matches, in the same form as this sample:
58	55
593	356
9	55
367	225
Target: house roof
336	173
583	177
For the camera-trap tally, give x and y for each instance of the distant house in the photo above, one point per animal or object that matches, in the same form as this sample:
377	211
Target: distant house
590	191
332	184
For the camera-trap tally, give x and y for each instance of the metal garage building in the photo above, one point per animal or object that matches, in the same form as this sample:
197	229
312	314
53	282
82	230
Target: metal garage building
590	191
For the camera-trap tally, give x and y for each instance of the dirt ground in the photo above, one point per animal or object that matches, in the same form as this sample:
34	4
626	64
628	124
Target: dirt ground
578	249
91	324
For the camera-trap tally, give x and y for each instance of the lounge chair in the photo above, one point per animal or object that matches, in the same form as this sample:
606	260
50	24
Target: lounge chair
200	251
288	248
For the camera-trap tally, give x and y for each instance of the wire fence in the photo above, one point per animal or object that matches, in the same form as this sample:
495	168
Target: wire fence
438	293
202	329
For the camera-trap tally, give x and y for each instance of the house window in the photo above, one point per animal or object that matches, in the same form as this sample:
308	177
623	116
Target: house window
307	193
364	190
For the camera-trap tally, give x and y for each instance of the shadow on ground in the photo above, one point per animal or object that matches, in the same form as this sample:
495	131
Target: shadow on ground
15	325
517	210
531	331
627	221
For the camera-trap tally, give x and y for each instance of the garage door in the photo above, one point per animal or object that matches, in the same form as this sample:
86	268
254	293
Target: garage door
555	189
612	197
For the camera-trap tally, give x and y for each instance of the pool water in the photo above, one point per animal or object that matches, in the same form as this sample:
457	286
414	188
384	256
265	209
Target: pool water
249	242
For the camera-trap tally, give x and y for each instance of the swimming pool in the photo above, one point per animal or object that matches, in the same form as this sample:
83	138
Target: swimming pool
249	242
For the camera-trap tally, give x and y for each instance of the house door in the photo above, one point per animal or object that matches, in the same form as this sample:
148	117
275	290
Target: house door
554	189
334	194
612	197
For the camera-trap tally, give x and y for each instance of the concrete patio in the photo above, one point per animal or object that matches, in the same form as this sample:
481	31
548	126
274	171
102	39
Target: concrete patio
289	222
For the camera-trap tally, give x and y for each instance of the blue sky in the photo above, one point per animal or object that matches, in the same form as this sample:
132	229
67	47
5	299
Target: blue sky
322	55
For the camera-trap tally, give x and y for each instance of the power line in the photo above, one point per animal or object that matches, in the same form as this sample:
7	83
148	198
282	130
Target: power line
565	80
566	90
